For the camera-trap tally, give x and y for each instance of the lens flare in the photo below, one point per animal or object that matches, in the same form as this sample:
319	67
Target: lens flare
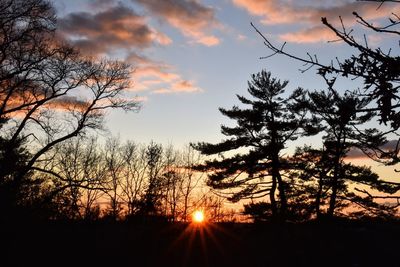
198	216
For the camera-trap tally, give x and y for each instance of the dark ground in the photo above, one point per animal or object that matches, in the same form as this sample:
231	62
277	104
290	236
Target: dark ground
149	244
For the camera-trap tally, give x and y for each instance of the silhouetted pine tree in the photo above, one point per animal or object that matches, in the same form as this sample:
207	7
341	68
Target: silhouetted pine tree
377	67
261	133
344	128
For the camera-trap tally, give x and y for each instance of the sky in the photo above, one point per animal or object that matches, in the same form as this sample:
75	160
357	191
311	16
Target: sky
192	56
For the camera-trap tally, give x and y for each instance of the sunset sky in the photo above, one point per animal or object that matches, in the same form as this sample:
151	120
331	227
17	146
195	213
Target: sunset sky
193	56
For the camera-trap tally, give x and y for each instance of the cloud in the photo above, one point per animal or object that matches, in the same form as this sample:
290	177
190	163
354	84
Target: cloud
159	71
68	103
241	37
181	86
355	153
61	103
275	12
158	77
28	97
142	99
115	28
101	4
310	35
192	18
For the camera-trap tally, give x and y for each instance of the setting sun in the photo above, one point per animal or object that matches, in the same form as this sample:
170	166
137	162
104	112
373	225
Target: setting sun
198	216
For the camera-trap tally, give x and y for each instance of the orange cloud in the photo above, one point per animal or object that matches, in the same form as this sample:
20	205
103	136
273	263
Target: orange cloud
208	40
115	28
181	86
185	86
68	103
290	12
61	103
158	77
157	71
189	16
310	35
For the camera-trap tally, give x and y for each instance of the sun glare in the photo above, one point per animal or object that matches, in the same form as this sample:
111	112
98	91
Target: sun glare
198	216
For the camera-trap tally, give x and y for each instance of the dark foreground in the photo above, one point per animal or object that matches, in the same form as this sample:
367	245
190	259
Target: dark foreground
149	244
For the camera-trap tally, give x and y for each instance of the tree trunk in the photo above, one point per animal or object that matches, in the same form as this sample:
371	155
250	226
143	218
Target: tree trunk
282	196
332	201
272	199
281	187
318	197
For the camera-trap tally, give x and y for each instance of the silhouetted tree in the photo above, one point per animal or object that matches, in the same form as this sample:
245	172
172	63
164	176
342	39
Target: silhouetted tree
344	128
75	178
171	180
153	192
191	179
115	168
262	132
134	177
13	157
258	211
312	168
378	69
40	78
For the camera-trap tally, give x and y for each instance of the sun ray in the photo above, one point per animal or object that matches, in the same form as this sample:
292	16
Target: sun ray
198	216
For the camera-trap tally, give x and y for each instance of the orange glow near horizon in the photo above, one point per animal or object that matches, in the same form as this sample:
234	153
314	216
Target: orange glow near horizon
198	216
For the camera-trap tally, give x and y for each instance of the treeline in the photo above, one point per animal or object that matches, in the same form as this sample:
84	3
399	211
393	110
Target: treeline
52	99
313	182
318	180
83	179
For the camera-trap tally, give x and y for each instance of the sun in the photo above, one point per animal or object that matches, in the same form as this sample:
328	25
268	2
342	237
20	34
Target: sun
198	216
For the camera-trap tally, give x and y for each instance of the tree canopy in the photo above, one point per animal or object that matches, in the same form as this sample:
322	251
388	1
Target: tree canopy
49	92
262	131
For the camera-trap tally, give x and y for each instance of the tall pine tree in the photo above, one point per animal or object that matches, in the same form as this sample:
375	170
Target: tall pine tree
345	128
255	166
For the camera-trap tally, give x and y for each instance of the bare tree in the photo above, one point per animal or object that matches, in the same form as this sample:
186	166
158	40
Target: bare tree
94	170
164	176
133	176
41	79
191	179
76	177
115	165
153	190
171	180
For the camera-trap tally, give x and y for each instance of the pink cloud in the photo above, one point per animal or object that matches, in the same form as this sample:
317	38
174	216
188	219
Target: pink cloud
115	28
310	35
181	86
274	12
155	71
158	77
208	40
241	37
185	86
61	103
68	103
191	17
